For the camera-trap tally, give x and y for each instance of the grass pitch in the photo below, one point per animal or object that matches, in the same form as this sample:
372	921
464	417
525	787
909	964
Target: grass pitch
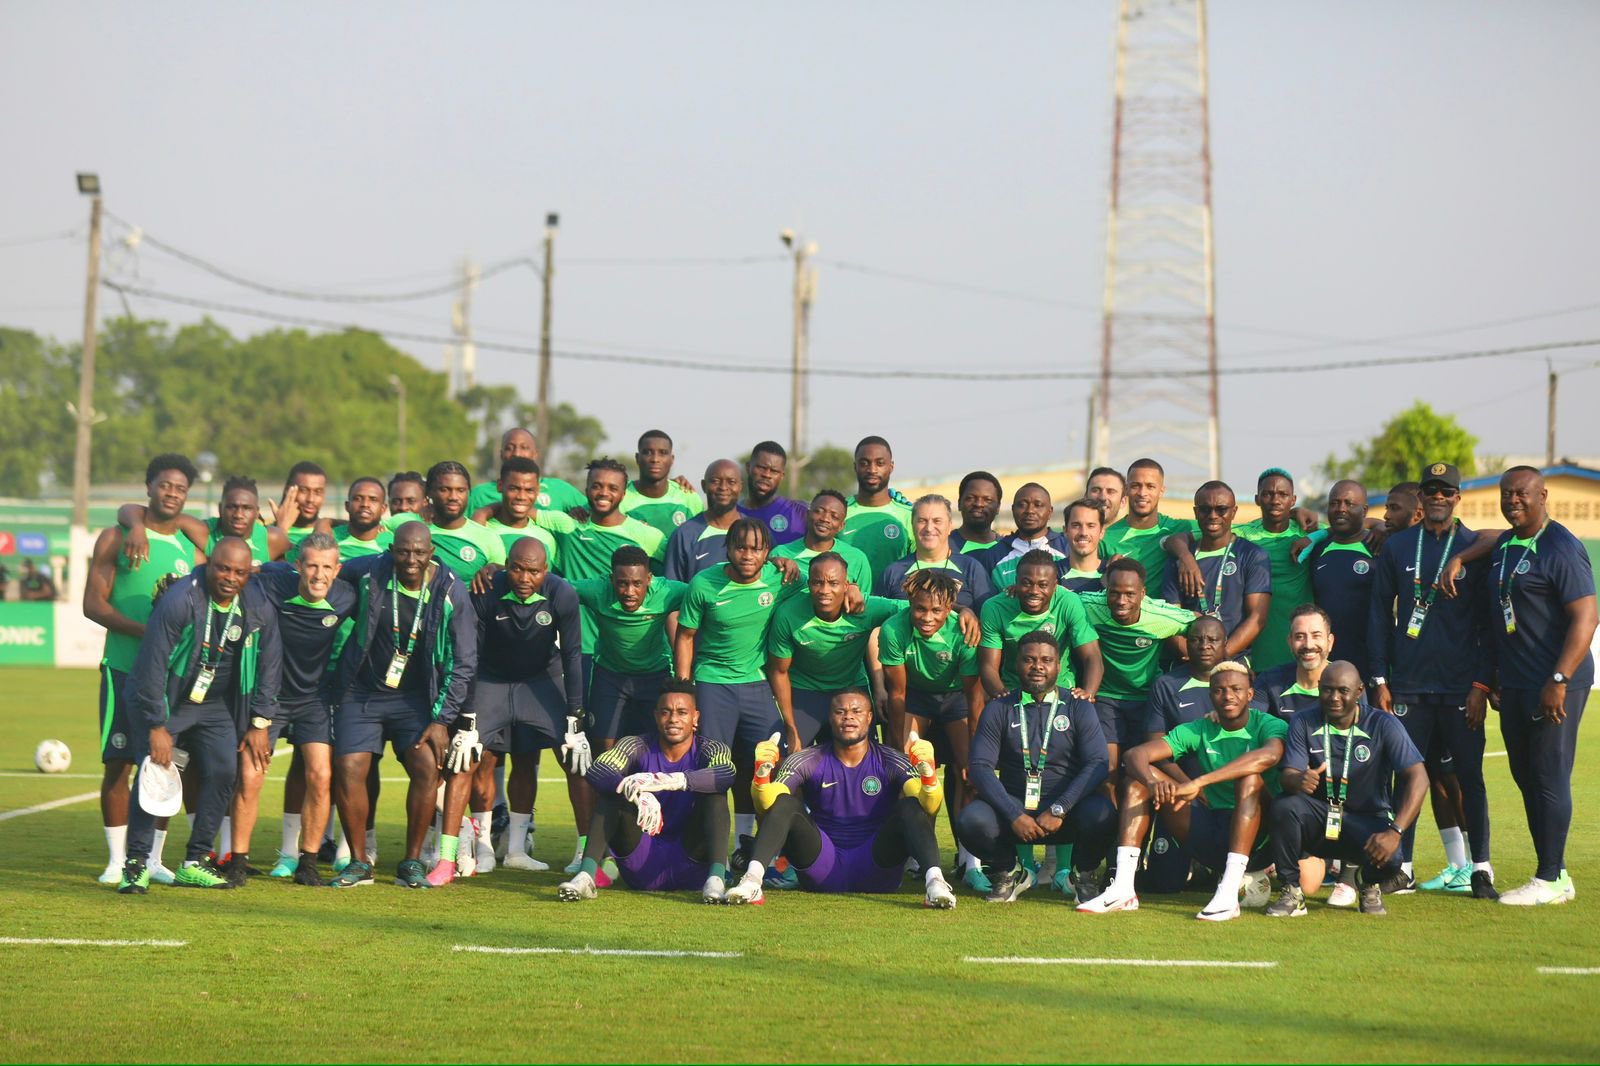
276	972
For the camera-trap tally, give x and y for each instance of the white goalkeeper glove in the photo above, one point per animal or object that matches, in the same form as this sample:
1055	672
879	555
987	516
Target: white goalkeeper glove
630	787
575	754
674	782
649	819
465	749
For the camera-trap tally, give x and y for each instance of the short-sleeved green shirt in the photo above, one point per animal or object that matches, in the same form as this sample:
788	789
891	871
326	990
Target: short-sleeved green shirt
933	664
1145	546
1004	625
133	591
467	548
667	513
351	547
630	642
730	621
826	656
1291	586
856	566
1213	746
882	534
260	543
553	493
1132	653
509	535
584	550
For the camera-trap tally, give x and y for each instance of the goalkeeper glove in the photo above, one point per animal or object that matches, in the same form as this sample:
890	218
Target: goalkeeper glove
575	748
649	819
674	782
465	749
766	759
630	786
921	753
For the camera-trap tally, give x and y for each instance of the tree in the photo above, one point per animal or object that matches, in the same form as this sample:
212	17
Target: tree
36	429
1409	441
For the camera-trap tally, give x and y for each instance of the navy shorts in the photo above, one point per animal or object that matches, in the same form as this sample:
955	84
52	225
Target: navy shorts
810	708
366	720
661	864
520	716
1209	831
116	744
741	716
305	722
622	705
938	707
1122	721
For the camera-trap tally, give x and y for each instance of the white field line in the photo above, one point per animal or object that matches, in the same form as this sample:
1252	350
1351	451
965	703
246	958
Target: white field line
1571	971
1026	960
74	942
483	949
52	805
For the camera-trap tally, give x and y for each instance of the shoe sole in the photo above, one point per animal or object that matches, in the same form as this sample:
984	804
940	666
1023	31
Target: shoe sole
944	903
402	883
336	883
1129	904
1218	916
570	896
132	890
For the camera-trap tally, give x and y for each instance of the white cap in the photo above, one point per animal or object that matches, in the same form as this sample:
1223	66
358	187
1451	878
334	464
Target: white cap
160	789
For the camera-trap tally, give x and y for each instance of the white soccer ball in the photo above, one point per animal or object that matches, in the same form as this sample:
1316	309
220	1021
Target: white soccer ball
52	757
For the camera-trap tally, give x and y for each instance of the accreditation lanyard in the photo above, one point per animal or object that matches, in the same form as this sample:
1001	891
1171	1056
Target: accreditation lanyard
1035	772
1336	797
397	665
1422	599
209	657
1508	612
1213	606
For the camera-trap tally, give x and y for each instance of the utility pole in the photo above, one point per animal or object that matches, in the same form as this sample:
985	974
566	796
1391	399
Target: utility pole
1550	417
805	290
400	418
461	367
552	221
88	185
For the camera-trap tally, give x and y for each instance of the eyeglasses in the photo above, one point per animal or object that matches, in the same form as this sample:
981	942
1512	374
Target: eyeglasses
1436	489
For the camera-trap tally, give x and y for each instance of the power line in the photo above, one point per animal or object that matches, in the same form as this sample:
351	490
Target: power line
19	242
1040	374
713	260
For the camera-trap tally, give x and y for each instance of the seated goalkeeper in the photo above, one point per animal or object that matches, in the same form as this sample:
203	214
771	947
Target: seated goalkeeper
847	813
662	807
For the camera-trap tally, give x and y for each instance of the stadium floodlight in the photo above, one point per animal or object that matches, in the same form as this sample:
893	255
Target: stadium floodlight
88	183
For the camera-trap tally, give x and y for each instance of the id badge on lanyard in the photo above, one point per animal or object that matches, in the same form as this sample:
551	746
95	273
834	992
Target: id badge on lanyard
1419	614
1335	822
1509	613
1032	791
397	669
202	684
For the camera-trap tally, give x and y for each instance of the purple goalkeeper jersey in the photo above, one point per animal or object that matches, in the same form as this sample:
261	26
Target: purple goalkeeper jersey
707	768
848	803
784	517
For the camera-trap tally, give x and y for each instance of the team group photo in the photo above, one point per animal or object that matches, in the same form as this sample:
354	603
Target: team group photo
1055	665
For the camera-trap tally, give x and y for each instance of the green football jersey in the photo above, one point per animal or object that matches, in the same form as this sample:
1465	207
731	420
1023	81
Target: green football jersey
826	656
933	664
553	493
133	591
630	642
856	566
1145	546
667	513
882	534
467	548
395	520
296	534
1132	653
1213	747
509	535
1291	586
1004	625
730	621
352	547
584	551
260	545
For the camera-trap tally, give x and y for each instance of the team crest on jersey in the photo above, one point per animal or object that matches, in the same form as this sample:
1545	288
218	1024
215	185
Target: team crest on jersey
119	740
1362	566
765	599
1048	627
1524	566
1142	642
181	567
1061	723
872	786
330	620
543	618
891	531
468	553
1230	568
544	499
944	656
1161	845
1399	710
678	517
234	632
779	523
1363	753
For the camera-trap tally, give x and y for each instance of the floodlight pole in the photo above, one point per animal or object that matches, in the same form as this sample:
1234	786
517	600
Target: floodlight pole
85	412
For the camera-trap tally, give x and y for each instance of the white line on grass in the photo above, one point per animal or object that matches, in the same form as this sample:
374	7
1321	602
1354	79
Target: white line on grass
74	942
52	805
1571	971
1028	960
484	949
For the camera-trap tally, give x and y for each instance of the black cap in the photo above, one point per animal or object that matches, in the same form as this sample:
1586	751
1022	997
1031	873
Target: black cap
1442	472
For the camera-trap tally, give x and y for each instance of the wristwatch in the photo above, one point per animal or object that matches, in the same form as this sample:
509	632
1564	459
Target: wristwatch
1380	681
259	722
1559	678
1058	810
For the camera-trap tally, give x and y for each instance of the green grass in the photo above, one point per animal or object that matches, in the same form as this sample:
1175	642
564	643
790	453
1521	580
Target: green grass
276	972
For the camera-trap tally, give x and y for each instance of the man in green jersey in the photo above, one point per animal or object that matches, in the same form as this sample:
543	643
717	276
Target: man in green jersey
1107	487
362	532
120	596
875	522
1142	536
237	516
408	498
815	647
463	546
1084	522
1237	753
554	494
978	500
824	519
1275	532
303	492
654	497
1039	603
513	517
696	543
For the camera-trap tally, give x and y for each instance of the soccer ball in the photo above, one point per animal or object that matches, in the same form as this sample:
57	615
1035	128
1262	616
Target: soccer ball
52	757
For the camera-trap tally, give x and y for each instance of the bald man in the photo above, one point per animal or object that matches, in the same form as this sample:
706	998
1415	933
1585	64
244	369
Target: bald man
697	544
554	494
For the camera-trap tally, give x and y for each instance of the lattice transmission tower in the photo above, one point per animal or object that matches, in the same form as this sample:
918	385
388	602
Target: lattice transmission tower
1157	393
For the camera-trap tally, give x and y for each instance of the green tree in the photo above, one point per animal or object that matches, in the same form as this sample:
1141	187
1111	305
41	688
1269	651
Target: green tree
574	438
1409	441
36	429
830	467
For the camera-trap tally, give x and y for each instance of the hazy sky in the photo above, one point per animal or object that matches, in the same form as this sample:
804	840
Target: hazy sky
1380	170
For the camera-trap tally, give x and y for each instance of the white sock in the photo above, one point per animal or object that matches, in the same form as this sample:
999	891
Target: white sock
291	835
484	820
1405	868
966	858
1485	867
1455	846
117	844
1127	866
158	841
517	838
372	843
754	872
744	825
577	849
342	852
930	873
225	837
1227	893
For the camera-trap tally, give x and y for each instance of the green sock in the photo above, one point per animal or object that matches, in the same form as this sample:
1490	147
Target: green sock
1025	855
1063	857
448	847
719	869
589	866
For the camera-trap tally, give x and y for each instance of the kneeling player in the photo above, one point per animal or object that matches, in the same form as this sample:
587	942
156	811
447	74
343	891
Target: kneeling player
1238	755
662	808
848	813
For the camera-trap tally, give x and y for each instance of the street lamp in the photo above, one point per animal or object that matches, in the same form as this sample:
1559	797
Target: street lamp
88	185
400	418
207	463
